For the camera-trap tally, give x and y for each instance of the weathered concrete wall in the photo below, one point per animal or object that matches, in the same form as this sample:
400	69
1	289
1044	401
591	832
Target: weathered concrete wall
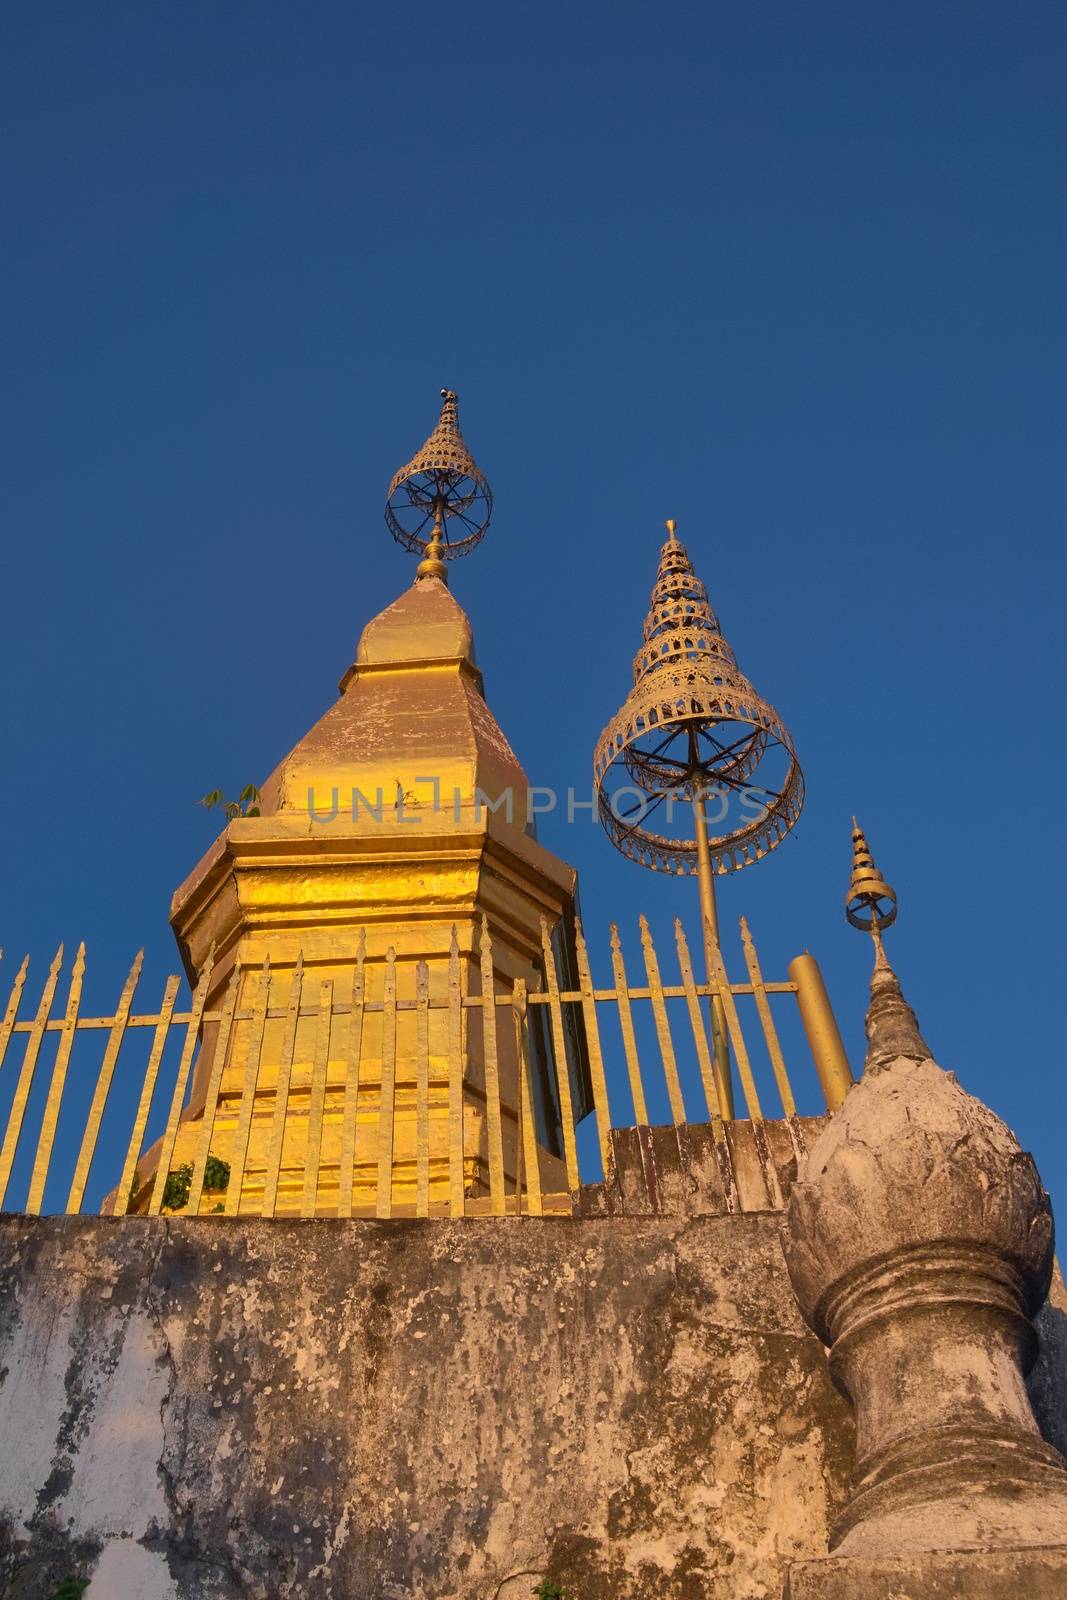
220	1408
451	1411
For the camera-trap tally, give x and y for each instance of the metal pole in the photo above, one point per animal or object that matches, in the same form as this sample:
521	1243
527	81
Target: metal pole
709	922
820	1025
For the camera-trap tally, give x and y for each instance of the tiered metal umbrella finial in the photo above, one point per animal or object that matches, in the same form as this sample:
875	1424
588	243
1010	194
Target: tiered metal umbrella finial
692	729
694	724
439	505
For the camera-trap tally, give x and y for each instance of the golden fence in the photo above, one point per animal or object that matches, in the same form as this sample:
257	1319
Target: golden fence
477	1148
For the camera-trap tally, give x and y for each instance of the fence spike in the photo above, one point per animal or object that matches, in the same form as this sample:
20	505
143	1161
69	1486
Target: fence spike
744	1069
422	1090
320	1071
281	1090
721	982
26	1072
349	1115
103	1088
708	1077
177	1099
663	1027
13	1002
700	1039
592	1042
383	1205
494	1126
530	1161
250	1080
455	1080
211	1098
559	1050
50	1116
770	1032
123	1193
774	1048
626	1023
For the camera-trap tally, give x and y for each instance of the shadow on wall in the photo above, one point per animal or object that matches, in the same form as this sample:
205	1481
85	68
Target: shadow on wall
1048	1381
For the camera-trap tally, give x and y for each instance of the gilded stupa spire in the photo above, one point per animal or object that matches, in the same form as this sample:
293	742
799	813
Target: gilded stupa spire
440	503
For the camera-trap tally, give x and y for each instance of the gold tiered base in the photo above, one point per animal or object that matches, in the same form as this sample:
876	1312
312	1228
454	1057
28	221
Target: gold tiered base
365	1195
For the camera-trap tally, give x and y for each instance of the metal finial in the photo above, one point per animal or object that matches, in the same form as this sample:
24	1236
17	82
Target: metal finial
440	503
870	904
432	564
671	526
691	725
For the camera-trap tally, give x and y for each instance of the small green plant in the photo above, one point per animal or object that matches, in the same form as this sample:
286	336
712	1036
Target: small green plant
176	1188
179	1182
216	1175
549	1589
246	804
70	1589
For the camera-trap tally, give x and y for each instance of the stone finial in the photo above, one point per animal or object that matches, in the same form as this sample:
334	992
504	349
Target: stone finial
892	1026
918	1239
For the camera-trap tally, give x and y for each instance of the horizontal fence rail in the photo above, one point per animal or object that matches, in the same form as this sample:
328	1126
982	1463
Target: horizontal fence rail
374	1090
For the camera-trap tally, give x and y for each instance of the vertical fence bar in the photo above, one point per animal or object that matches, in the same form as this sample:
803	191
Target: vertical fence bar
317	1103
559	1050
123	1194
494	1129
530	1162
253	1054
422	1090
592	1041
177	1099
384	1198
455	1080
723	992
346	1174
50	1118
708	1077
696	1021
744	1068
103	1088
13	1001
25	1077
211	1099
770	1032
281	1089
663	1027
626	1023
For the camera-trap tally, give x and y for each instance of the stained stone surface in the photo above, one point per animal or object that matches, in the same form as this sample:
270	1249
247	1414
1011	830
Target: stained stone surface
451	1410
1031	1574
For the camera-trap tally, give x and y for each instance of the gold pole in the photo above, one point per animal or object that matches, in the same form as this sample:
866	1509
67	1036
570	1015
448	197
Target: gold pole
820	1025
709	919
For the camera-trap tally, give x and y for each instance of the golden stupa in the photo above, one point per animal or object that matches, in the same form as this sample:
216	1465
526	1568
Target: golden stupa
387	840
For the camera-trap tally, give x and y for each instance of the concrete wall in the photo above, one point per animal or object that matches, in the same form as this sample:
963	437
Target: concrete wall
222	1408
450	1410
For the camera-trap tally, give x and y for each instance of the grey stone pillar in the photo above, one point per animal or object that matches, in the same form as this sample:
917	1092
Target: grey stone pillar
919	1242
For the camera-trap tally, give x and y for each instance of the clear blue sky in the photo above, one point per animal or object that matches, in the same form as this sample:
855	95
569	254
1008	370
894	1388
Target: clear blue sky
791	274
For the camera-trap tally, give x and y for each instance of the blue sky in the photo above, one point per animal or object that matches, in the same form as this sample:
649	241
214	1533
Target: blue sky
793	275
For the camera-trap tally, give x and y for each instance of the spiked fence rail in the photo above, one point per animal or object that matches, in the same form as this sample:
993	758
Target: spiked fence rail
478	1189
